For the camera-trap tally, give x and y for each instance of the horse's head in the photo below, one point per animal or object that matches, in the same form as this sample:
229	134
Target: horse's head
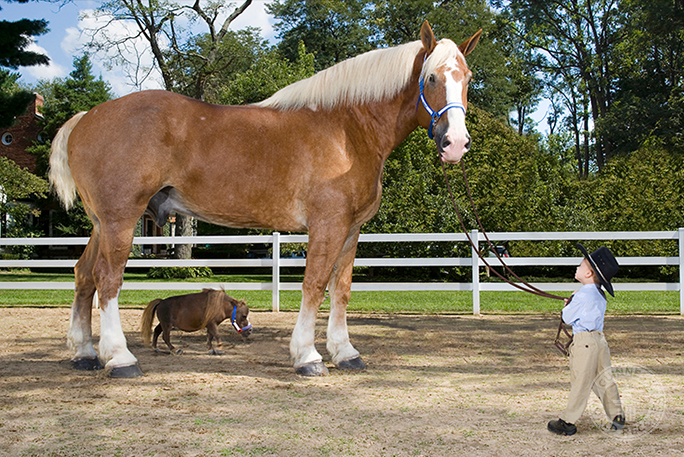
239	318
443	93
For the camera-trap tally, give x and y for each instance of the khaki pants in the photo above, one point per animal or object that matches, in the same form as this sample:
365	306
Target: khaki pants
590	370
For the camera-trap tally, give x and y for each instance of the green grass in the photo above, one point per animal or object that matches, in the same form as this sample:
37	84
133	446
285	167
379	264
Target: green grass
423	302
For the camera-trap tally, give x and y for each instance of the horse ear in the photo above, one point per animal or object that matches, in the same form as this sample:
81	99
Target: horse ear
428	38
468	45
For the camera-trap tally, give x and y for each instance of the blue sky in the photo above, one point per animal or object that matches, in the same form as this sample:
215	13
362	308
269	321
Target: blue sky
66	37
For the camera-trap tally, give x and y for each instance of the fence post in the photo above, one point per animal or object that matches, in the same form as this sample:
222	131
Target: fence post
681	271
475	271
276	272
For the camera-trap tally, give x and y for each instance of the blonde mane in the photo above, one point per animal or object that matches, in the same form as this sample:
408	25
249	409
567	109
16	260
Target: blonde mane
373	76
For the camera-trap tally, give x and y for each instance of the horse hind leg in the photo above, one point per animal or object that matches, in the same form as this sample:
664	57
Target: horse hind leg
166	336
116	239
155	337
80	335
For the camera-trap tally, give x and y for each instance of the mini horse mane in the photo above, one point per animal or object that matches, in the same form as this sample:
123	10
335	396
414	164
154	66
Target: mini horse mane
372	76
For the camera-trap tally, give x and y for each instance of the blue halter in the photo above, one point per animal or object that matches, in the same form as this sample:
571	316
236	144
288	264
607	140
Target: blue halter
435	115
235	324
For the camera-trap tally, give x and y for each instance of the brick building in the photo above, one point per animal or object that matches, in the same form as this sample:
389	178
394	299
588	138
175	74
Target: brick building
15	139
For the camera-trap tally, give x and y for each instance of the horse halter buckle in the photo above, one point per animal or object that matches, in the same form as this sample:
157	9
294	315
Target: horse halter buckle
435	115
235	324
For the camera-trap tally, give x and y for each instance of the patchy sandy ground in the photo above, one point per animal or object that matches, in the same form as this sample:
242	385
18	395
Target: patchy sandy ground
435	385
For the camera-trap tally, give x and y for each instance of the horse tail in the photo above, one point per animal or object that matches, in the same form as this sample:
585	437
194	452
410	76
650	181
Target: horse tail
146	321
61	180
214	305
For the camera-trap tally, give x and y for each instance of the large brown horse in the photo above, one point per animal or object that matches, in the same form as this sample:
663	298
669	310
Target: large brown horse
310	158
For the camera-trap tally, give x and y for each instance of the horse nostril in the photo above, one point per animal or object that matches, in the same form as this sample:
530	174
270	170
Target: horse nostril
445	142
467	146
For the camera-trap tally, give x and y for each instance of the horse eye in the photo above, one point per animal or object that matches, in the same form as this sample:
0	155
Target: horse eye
431	79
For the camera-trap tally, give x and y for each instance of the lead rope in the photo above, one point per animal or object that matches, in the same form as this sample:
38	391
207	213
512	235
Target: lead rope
562	347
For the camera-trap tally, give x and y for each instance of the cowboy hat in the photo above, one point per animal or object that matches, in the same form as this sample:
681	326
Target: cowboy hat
604	264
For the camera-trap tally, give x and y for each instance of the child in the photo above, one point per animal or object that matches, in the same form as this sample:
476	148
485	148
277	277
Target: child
589	353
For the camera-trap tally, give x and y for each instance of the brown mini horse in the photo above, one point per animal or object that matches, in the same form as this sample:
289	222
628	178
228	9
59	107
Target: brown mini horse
310	158
192	312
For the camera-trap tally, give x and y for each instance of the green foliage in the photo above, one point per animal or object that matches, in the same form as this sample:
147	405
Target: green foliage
15	38
333	30
649	58
16	186
266	75
13	100
207	65
80	91
179	272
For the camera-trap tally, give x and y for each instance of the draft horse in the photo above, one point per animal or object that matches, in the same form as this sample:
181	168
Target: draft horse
309	158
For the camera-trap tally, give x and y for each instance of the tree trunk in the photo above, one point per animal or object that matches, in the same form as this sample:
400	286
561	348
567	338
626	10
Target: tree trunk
184	227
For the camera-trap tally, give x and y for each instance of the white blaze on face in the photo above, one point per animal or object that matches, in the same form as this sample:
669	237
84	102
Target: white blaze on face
456	141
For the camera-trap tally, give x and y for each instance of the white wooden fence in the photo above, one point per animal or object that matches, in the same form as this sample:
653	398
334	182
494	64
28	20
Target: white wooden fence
276	263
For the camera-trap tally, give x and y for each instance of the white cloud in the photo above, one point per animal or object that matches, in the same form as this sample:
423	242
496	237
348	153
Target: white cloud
50	71
256	16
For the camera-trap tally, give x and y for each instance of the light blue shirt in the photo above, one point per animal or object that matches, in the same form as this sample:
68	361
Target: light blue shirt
586	310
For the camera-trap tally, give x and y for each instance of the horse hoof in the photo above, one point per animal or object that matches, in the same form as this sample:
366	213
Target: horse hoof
312	369
130	371
216	352
178	351
355	364
87	364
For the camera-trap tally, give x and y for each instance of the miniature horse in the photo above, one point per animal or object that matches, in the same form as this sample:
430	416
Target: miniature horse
308	159
193	312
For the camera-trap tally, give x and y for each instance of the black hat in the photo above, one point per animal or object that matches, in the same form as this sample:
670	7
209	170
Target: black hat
604	264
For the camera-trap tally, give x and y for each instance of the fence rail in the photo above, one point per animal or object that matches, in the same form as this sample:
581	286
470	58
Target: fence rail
276	262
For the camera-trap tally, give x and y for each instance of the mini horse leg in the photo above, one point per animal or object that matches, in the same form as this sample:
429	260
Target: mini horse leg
115	245
80	335
344	355
155	337
166	335
213	334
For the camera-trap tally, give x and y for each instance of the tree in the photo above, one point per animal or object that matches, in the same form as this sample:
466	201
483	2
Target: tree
574	40
16	186
267	74
649	94
333	30
15	37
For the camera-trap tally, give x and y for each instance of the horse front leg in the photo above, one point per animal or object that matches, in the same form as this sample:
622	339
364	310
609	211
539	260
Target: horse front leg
80	334
344	355
325	245
115	246
213	335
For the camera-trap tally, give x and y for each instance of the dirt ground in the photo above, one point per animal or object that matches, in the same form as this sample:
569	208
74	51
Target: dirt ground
434	386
